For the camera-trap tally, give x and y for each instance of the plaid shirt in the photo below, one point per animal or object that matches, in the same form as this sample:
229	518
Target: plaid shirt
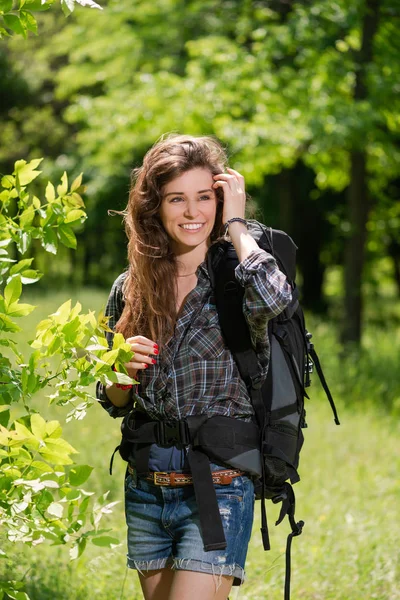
195	371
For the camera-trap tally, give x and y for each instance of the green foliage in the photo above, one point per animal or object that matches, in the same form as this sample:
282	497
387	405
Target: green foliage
18	17
40	485
276	83
282	86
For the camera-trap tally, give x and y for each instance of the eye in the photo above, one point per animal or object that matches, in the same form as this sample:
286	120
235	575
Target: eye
205	197
176	199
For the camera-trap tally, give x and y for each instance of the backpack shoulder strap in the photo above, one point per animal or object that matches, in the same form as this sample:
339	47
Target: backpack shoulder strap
229	294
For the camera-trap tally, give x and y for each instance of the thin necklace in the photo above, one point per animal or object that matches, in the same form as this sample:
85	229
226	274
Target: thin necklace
187	274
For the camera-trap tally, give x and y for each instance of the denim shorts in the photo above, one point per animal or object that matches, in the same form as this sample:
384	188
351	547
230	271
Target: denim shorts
164	527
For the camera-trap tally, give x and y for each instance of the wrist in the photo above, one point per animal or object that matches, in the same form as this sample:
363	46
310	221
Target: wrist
236	222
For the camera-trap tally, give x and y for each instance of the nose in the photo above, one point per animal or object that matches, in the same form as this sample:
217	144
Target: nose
191	209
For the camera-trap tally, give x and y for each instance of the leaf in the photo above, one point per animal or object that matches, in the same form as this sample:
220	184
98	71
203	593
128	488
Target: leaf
77	200
26	171
15	24
53	429
56	509
50	240
38	426
67	6
6	5
67	236
22	264
28	20
6	324
59	446
70	329
39	5
118	341
22	432
20	310
105	540
76	184
50	193
27	217
12	291
74	215
79	474
23	241
73	552
4	417
89	3
8	181
30	276
62	189
62	313
55	458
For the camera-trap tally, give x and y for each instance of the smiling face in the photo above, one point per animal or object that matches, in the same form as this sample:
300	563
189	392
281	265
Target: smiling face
188	210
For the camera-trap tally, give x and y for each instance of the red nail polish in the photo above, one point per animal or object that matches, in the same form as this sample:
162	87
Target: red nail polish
146	365
155	351
153	361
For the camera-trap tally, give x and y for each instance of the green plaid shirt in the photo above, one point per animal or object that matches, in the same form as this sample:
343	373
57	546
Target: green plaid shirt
195	371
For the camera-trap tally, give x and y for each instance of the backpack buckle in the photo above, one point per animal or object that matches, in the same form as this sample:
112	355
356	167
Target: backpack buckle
177	433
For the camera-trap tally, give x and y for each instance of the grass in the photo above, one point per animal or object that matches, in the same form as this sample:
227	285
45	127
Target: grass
348	497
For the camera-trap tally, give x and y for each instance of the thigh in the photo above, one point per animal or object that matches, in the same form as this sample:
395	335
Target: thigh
199	586
156	585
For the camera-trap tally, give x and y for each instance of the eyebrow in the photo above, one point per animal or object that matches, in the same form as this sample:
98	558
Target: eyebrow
183	193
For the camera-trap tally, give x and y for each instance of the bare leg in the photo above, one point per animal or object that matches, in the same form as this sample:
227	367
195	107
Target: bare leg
156	585
199	586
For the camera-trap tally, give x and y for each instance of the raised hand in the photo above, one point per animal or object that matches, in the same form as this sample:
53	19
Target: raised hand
233	186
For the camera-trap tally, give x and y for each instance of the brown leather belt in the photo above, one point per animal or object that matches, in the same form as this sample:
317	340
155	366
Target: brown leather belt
178	479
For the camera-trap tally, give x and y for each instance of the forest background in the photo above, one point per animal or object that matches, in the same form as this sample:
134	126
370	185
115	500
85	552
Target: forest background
305	95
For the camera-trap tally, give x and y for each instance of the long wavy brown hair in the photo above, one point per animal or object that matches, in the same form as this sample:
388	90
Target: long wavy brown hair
150	286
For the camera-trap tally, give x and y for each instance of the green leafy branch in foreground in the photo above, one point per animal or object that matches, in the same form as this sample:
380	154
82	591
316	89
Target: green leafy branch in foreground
17	16
40	494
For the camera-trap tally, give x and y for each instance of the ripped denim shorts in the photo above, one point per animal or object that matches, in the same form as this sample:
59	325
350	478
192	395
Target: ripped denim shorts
164	527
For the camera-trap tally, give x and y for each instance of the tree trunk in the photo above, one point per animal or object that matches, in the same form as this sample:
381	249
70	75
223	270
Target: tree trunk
357	196
286	200
394	253
357	203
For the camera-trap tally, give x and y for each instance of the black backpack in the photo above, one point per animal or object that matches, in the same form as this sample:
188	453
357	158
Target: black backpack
279	401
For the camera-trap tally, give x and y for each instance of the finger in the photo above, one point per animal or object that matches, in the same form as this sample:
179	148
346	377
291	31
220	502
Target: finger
222	184
144	349
225	176
141	343
143	358
233	182
236	174
134	366
141	339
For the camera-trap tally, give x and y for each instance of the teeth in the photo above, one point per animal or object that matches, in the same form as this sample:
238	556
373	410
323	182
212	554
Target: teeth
192	226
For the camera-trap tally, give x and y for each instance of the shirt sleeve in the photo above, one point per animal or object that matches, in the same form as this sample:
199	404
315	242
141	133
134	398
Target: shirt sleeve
114	308
267	292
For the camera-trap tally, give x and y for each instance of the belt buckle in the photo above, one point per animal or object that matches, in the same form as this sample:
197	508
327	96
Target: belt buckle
162	474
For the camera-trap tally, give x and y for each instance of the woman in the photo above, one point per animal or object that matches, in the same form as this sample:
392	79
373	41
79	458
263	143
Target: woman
182	199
